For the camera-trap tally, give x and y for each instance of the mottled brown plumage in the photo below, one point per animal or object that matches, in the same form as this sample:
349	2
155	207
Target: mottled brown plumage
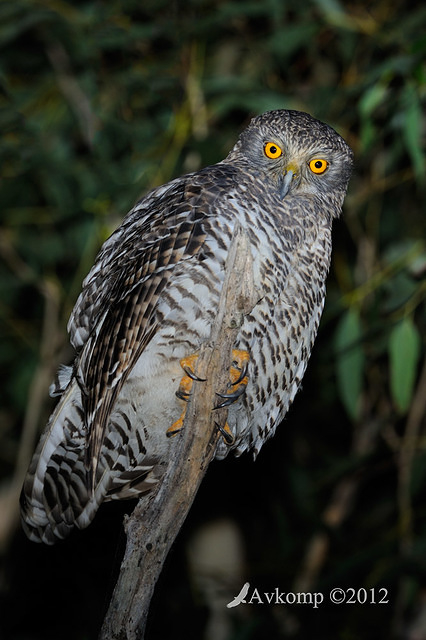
150	301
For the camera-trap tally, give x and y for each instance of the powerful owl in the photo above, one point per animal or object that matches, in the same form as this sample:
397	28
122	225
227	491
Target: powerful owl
149	303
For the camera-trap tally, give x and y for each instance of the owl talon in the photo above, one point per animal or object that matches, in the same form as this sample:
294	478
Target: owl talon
184	391
235	394
242	374
226	433
182	395
238	370
176	426
238	378
189	372
230	398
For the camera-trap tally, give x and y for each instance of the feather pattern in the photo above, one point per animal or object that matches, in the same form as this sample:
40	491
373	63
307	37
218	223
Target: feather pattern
150	300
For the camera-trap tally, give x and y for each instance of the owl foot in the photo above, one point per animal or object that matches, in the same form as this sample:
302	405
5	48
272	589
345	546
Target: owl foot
236	387
184	391
238	378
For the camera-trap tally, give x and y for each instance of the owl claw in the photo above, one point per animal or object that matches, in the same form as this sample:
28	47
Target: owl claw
185	385
238	378
182	395
242	374
189	372
230	398
176	426
184	391
238	370
226	432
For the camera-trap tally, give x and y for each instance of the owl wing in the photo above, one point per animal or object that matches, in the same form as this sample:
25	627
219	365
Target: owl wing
114	318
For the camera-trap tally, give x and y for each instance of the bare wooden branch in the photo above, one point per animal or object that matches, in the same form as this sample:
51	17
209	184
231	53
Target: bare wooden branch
407	452
152	527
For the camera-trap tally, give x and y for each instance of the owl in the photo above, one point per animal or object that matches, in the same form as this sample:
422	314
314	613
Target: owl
149	303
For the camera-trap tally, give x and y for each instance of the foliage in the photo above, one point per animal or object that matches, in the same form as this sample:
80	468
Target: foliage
101	101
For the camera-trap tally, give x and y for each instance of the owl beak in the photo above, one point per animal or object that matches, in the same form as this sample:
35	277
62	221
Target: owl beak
289	173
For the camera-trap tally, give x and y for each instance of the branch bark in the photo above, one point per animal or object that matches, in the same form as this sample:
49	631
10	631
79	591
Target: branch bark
152	527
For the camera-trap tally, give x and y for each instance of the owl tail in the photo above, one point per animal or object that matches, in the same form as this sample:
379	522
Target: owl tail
55	496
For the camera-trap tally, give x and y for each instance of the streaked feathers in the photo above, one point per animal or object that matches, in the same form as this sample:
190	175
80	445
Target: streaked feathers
151	299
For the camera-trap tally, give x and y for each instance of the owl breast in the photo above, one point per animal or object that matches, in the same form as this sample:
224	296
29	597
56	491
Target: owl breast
289	273
290	264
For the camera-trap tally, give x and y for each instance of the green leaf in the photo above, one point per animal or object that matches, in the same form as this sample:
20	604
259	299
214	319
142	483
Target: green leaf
404	352
413	123
349	361
371	99
335	13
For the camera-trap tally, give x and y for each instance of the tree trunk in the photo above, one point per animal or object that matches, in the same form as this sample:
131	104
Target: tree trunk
154	525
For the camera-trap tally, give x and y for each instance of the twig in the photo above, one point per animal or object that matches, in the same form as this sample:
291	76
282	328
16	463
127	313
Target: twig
152	527
406	454
74	94
405	462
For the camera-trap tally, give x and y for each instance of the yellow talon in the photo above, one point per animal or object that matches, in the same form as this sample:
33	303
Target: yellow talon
227	434
184	390
241	359
185	387
188	362
176	426
236	388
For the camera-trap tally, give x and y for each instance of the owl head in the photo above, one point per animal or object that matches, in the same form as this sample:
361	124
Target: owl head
295	152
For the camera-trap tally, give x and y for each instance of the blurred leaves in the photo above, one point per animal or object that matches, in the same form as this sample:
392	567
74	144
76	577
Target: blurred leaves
413	133
404	352
350	361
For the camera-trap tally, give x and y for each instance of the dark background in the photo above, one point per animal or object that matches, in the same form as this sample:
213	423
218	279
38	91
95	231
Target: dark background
101	101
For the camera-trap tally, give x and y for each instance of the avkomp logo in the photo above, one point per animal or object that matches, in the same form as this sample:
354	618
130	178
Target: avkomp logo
275	597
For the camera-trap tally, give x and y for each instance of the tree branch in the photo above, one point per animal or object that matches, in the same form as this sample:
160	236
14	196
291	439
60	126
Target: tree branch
152	527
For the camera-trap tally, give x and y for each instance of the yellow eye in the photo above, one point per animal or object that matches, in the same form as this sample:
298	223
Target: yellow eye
318	165
272	150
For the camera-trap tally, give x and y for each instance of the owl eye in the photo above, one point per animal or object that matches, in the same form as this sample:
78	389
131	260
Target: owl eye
318	165
272	150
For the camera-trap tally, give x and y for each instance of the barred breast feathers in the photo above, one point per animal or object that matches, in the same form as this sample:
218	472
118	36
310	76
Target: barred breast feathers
115	316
